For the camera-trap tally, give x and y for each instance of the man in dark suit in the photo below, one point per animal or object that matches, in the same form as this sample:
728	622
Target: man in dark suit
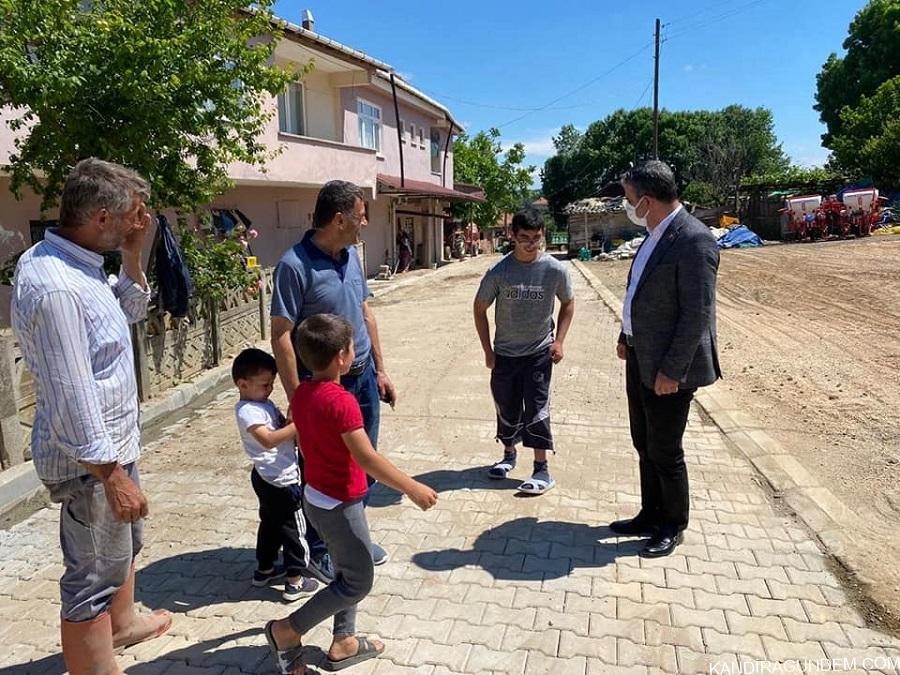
668	342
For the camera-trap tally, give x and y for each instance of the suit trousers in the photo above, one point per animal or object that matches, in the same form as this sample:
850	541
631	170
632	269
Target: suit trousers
657	428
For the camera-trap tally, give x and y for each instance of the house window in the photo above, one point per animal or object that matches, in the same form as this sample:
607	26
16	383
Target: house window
420	133
402	131
369	124
290	110
435	150
412	133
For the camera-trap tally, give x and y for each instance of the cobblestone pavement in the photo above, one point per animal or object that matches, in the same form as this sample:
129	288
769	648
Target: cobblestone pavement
486	582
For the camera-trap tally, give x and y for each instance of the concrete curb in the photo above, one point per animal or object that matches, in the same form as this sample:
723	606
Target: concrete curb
17	484
826	516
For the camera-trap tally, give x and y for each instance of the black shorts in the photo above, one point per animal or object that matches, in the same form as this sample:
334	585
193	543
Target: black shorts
521	389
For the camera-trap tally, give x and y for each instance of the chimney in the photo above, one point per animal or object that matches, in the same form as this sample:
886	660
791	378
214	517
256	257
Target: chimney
308	22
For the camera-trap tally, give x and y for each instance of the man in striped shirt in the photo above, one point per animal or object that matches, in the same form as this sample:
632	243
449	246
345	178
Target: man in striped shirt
73	327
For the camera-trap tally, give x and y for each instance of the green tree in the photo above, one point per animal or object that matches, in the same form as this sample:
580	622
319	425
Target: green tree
481	160
176	90
738	141
869	141
710	152
872	58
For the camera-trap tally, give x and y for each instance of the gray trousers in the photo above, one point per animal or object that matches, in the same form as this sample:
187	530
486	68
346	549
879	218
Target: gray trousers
97	549
346	534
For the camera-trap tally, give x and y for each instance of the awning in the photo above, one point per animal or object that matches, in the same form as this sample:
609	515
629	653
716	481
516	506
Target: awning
390	185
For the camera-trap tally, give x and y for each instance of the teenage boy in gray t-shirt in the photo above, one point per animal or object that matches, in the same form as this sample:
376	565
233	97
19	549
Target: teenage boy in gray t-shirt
524	285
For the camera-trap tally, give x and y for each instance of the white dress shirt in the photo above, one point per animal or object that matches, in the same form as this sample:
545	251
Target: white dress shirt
73	329
640	262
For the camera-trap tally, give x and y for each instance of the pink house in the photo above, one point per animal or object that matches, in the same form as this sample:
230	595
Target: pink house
340	122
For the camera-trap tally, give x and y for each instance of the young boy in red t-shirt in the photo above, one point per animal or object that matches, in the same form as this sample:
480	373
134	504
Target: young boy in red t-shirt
337	455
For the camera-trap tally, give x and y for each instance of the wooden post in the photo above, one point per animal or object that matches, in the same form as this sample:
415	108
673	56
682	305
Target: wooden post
263	327
656	97
215	331
141	366
12	443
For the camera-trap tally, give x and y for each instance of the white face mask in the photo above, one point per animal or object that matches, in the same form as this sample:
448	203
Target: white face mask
631	212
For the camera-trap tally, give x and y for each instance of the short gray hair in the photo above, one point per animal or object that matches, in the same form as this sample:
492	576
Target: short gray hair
653	178
95	184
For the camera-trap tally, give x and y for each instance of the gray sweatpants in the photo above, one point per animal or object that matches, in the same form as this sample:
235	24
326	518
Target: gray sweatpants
346	534
97	549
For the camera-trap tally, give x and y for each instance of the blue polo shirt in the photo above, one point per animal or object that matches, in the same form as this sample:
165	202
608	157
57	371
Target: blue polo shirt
308	281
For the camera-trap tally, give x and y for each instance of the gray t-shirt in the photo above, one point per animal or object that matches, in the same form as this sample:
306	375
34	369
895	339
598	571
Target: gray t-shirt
524	293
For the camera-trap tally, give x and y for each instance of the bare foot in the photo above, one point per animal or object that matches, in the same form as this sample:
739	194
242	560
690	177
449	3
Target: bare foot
142	628
285	638
347	646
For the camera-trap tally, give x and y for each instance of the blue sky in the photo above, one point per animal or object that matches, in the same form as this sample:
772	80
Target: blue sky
524	55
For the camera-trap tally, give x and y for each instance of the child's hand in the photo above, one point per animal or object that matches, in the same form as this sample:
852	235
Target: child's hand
422	495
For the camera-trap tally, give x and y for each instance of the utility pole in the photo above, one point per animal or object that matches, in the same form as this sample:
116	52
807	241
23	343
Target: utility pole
656	97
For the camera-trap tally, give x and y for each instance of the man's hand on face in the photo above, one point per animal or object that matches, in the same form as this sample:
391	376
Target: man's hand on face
134	242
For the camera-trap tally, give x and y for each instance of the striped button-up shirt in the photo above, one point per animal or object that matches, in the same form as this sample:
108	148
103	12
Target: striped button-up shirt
72	322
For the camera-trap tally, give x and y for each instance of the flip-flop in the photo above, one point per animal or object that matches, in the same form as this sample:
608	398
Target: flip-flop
365	652
536	486
118	649
284	658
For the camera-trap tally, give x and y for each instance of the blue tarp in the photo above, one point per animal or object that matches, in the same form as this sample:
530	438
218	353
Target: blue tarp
740	237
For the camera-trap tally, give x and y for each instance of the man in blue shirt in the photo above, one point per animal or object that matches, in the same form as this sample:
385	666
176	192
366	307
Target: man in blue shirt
322	274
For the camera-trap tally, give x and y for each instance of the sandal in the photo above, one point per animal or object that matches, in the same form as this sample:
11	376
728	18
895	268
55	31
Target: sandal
503	467
537	486
365	652
285	659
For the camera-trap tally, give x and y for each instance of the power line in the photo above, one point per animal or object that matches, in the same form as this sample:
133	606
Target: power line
700	11
644	93
579	88
704	23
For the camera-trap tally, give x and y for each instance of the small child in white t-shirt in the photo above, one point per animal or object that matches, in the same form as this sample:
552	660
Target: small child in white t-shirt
270	444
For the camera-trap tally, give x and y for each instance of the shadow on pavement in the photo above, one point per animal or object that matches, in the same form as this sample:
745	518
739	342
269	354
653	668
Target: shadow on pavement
529	549
197	579
445	480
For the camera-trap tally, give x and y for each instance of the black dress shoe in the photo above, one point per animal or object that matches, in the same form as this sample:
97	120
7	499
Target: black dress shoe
661	544
634	527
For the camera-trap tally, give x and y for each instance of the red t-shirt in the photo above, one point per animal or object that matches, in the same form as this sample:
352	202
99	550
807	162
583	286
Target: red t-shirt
322	411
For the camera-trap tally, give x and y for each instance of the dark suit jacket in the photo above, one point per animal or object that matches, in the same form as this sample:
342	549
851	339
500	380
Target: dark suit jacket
673	311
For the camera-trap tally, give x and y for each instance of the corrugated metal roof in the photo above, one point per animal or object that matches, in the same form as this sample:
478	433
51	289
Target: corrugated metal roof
595	205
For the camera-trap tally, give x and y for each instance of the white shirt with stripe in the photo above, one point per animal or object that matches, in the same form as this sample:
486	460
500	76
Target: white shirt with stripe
72	323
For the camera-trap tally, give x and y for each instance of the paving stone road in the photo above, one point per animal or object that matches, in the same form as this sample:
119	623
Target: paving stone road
486	582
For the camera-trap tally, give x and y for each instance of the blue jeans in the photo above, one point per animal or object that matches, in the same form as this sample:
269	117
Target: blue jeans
364	388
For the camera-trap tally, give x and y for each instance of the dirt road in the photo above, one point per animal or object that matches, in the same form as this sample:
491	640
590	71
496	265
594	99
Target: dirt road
809	336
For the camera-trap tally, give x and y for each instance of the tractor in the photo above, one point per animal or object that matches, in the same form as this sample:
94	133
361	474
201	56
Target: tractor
865	210
801	217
